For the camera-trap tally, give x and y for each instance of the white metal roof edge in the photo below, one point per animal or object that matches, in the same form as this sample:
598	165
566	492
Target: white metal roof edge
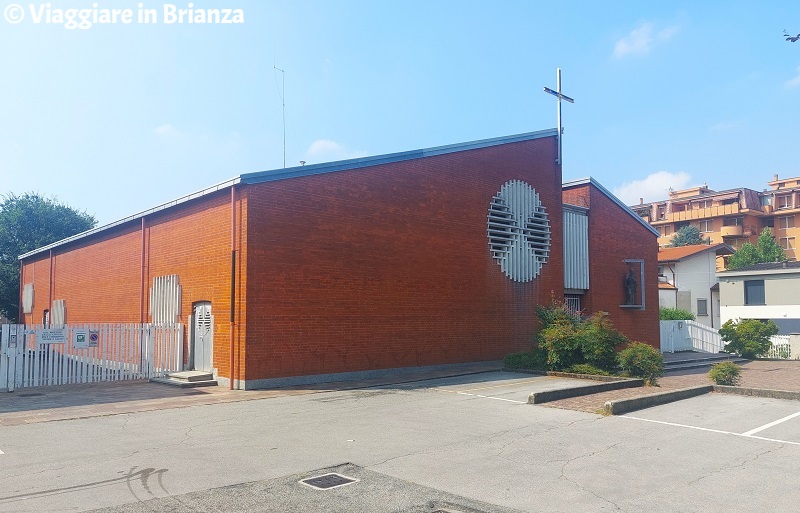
620	204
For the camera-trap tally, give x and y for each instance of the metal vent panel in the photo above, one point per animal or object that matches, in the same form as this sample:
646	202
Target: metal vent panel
518	229
27	298
165	299
58	313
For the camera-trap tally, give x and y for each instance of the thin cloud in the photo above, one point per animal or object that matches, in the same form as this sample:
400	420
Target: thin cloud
323	150
641	40
653	187
166	130
794	82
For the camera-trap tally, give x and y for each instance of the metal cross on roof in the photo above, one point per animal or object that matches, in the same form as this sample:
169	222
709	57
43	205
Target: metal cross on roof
559	97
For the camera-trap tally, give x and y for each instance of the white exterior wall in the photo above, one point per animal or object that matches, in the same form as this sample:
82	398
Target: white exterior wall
695	275
666	298
780	293
760	312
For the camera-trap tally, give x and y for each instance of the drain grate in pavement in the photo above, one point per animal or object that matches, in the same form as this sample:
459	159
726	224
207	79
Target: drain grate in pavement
328	481
31	394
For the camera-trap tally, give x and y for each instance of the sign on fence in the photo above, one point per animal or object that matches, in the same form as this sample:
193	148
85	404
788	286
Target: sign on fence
75	354
51	336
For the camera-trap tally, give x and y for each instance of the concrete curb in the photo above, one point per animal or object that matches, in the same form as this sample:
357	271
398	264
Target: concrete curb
758	392
566	393
638	403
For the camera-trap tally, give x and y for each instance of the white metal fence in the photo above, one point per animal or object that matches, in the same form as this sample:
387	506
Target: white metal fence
689	336
693	336
32	356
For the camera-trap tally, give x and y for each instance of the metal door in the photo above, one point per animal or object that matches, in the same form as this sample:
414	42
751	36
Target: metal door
203	336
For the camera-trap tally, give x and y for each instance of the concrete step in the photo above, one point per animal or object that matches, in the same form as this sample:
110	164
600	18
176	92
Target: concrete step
188	379
699	364
183	383
192	375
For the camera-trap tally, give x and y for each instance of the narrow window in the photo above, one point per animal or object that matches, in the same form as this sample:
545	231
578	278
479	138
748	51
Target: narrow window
754	292
702	307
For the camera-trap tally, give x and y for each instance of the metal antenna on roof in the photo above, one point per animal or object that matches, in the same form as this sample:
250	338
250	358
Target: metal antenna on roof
559	96
282	94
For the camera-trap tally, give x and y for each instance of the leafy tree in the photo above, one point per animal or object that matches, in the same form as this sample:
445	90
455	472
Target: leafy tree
748	337
765	250
686	236
28	222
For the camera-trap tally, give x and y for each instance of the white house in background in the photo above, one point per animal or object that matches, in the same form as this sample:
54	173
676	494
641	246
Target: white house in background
763	291
688	280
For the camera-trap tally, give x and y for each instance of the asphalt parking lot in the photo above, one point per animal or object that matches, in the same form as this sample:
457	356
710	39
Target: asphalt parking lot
767	420
469	441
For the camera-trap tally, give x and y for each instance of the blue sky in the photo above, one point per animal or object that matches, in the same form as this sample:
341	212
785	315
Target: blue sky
120	118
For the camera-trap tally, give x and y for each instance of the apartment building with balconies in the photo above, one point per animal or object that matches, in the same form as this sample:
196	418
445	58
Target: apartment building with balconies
733	216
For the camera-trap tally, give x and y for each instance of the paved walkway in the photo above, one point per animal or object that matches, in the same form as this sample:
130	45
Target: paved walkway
768	374
46	404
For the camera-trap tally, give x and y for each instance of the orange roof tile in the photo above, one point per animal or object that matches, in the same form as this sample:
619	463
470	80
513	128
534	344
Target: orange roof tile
679	253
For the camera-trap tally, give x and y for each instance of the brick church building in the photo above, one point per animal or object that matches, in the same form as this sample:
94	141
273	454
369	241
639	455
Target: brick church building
338	270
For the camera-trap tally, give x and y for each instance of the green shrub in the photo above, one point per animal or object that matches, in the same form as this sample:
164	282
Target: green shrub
585	368
725	373
561	342
569	340
675	314
599	342
642	361
533	360
748	337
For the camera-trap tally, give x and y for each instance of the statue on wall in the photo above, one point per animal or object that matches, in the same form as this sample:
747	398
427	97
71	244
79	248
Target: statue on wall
630	288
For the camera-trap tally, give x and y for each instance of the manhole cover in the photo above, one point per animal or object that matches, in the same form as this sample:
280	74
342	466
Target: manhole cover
328	481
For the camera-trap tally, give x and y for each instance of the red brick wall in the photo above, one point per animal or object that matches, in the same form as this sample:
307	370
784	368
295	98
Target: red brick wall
100	276
613	237
389	266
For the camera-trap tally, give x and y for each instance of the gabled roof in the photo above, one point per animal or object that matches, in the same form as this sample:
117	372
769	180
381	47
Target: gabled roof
314	169
606	192
684	252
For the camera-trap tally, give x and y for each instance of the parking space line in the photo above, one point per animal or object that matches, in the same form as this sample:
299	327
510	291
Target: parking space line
503	385
743	435
767	426
481	396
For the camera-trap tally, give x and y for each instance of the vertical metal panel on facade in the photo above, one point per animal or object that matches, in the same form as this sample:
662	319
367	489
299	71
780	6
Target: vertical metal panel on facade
576	248
165	299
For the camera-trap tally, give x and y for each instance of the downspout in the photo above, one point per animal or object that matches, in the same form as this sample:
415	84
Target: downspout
233	279
141	284
20	314
50	291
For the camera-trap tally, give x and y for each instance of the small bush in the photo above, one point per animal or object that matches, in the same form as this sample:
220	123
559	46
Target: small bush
561	343
725	373
533	360
642	361
599	342
675	314
585	368
748	337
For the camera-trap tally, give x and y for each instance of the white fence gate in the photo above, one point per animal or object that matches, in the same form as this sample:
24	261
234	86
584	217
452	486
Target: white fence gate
32	356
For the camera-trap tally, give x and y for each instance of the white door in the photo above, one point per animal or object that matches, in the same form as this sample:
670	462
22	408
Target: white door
203	336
